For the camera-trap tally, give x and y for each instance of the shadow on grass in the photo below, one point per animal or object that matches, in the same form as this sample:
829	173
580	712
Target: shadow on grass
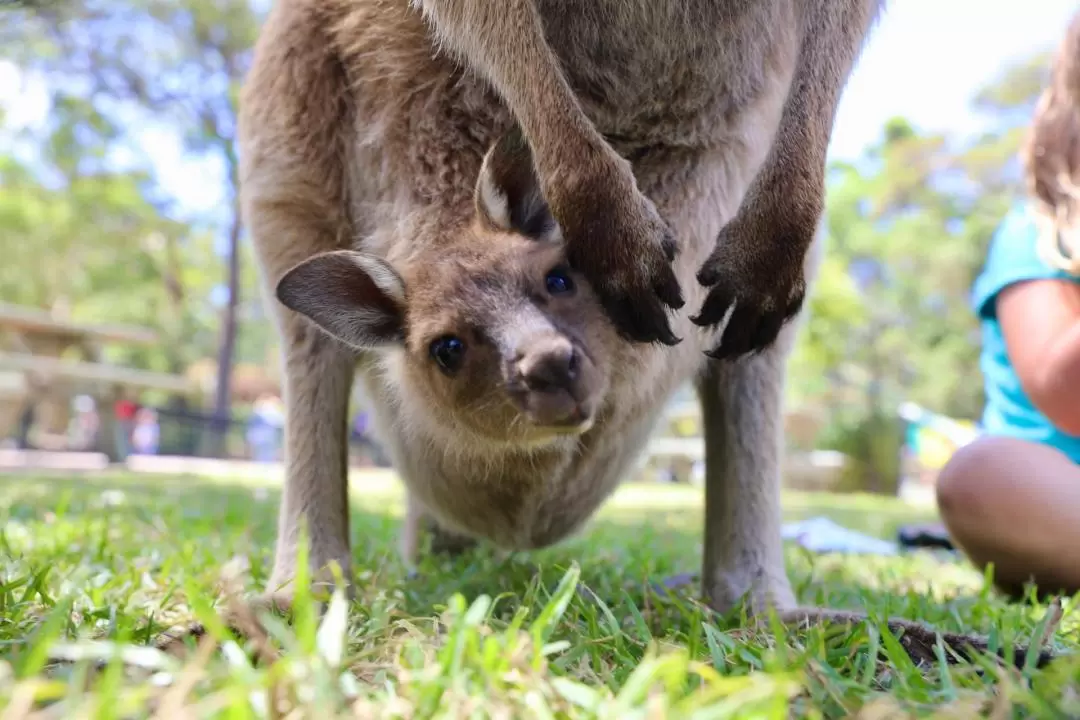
129	528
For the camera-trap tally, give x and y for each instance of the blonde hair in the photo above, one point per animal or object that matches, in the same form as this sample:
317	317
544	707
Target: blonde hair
1051	158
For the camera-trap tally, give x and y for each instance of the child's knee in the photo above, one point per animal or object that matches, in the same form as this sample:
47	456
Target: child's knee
958	482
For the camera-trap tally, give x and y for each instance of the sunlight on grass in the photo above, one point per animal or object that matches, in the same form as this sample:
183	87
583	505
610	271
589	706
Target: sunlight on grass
93	569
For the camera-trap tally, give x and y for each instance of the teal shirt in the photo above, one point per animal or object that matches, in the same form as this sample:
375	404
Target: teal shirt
1013	258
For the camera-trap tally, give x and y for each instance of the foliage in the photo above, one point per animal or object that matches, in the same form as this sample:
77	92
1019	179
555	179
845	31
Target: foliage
908	227
90	244
94	568
872	444
111	70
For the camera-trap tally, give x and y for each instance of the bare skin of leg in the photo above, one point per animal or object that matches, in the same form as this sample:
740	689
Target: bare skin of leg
1010	502
1015	504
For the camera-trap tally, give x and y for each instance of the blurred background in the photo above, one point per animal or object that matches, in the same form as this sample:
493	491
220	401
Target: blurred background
132	327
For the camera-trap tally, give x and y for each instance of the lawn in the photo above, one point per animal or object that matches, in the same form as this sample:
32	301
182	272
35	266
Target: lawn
93	569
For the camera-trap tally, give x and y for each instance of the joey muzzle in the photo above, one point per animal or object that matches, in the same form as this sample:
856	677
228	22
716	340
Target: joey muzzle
554	383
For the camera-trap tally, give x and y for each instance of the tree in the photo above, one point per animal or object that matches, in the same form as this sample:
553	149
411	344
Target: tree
908	228
155	61
82	239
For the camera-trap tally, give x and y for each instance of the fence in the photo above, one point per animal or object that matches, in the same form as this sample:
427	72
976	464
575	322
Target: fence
199	434
176	432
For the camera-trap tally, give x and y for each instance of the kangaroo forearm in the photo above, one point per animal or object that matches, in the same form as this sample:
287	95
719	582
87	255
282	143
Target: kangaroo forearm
504	41
794	172
755	272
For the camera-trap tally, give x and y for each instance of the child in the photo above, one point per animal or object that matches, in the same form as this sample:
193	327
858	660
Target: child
146	434
1012	498
264	429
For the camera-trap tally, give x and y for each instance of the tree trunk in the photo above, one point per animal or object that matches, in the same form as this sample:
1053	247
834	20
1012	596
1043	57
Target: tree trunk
172	277
227	346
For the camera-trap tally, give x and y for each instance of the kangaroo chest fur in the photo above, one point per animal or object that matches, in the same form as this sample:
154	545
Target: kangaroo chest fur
690	90
675	72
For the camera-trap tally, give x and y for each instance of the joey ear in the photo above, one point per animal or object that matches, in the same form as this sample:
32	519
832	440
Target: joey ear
357	298
508	195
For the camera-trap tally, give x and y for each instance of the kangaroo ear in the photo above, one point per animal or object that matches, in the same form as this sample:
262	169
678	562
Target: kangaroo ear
508	196
357	298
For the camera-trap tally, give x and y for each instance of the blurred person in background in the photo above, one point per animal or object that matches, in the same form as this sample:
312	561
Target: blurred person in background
85	423
1012	497
146	433
124	409
264	430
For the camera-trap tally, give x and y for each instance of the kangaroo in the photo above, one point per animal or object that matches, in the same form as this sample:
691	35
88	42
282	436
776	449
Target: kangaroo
491	209
679	149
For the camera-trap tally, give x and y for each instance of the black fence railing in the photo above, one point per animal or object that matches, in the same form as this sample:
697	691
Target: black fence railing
176	431
199	434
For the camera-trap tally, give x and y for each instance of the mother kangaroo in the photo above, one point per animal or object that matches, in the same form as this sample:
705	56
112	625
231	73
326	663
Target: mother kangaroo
673	149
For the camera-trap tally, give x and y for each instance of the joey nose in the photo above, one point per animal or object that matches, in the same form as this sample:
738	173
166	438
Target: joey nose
550	369
555	384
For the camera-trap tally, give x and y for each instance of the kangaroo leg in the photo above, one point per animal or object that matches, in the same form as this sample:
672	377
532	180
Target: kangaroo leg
319	372
614	234
293	127
742	414
742	417
318	379
756	269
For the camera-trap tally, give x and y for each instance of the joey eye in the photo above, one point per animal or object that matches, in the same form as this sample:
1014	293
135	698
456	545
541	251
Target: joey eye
558	282
448	353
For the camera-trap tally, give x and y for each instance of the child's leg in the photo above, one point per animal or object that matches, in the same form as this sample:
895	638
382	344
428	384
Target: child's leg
1015	504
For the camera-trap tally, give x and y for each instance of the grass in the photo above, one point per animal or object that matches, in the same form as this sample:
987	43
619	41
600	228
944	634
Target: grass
92	569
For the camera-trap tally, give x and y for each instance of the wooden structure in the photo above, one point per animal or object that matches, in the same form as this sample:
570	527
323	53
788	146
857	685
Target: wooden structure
39	376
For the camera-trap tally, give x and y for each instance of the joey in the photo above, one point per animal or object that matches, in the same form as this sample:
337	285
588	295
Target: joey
494	355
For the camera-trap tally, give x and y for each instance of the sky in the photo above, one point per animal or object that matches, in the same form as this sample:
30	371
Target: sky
925	60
